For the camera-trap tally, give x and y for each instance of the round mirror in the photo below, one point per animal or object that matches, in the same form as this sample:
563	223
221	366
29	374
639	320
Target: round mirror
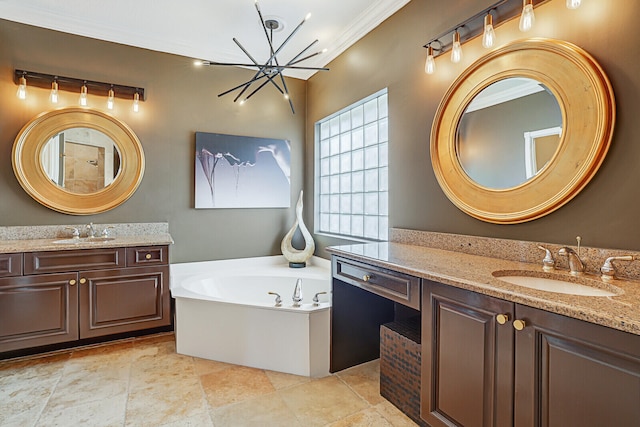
81	160
507	158
78	161
509	132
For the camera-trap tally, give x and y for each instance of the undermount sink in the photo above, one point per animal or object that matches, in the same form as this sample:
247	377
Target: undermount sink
549	282
83	240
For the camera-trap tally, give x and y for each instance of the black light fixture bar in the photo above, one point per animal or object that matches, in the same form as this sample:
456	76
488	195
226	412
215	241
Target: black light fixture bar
71	84
501	11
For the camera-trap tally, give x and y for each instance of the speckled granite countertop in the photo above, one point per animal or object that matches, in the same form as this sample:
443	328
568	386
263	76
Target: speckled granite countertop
474	272
42	238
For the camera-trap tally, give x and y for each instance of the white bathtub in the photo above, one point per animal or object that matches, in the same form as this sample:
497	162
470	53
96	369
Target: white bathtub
224	313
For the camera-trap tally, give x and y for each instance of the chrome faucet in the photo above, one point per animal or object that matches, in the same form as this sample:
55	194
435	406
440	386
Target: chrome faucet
548	263
297	293
608	270
91	231
576	267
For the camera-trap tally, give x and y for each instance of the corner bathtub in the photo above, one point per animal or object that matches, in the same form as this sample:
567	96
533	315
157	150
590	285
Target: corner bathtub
224	313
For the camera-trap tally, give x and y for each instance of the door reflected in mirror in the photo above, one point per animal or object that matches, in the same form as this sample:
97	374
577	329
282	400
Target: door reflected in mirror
81	160
508	133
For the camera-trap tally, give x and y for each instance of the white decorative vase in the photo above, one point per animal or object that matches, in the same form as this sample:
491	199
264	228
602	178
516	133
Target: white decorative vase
298	258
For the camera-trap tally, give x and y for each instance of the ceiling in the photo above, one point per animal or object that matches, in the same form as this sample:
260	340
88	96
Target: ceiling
204	29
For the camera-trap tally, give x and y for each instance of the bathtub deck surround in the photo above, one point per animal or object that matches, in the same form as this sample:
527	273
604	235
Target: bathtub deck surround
228	311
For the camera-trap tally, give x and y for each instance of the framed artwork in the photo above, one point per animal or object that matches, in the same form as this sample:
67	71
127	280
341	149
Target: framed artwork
234	171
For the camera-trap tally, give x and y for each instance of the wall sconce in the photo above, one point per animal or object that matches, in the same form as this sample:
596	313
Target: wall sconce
482	23
70	84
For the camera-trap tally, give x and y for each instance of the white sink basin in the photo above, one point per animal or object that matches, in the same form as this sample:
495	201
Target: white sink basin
557	284
83	240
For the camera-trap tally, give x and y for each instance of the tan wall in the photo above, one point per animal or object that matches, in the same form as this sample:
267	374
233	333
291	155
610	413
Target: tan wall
605	213
180	101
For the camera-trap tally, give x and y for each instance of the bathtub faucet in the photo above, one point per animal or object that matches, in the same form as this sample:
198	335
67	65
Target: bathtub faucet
278	298
316	299
297	293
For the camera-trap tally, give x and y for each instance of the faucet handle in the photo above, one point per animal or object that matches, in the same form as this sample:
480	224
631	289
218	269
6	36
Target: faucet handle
316	300
75	232
278	301
105	231
548	263
608	270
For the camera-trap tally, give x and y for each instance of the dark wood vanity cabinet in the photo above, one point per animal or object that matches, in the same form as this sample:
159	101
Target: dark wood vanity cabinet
76	294
478	370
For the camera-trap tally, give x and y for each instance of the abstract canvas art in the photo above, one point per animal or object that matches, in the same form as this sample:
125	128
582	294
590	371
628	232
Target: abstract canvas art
234	171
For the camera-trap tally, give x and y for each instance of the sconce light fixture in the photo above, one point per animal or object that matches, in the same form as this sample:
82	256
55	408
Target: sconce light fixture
482	24
70	84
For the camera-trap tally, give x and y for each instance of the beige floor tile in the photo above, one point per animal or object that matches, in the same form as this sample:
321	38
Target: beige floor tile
268	410
22	401
281	380
165	405
235	384
366	418
322	401
394	415
364	379
199	420
204	366
102	413
161	371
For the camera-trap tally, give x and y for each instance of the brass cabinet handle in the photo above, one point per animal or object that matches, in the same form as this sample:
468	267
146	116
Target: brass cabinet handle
502	318
366	278
72	282
83	281
519	325
148	256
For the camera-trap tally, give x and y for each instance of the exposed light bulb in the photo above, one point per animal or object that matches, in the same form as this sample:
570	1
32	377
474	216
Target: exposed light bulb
573	4
430	64
83	95
306	18
456	50
136	102
286	96
53	97
527	19
22	88
110	99
489	35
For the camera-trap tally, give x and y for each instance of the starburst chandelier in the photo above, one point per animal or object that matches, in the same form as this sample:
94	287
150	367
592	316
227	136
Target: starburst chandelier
270	72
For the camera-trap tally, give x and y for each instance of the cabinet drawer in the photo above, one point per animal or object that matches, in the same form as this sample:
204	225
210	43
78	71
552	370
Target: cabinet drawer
147	255
398	287
74	260
10	265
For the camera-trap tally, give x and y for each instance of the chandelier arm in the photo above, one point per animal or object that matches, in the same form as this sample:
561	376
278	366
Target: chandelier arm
233	64
289	64
286	92
243	84
302	52
266	33
256	64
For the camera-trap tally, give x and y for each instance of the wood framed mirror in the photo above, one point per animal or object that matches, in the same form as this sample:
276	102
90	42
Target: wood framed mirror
78	161
522	130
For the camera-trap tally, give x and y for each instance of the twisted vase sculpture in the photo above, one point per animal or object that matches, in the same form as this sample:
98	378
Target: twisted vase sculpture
298	258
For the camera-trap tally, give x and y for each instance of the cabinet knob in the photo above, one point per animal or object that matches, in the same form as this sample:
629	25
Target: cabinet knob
83	281
148	256
366	278
72	282
502	318
519	325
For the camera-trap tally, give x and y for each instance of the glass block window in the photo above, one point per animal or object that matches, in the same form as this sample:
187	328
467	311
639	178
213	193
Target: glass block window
352	192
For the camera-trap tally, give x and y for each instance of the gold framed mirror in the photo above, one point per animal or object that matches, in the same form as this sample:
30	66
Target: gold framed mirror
78	161
473	158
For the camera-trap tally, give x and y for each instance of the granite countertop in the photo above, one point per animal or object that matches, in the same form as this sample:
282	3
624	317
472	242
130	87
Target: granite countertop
474	272
43	237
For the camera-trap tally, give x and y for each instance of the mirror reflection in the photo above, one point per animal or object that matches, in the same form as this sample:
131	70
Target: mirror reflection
508	133
81	160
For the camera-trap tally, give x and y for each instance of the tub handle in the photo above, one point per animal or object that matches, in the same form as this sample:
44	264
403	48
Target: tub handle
278	298
316	300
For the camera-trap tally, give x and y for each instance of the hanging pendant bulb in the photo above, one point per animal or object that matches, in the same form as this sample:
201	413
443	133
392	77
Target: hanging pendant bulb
83	95
573	4
456	50
53	96
489	35
136	102
430	65
527	19
110	99
22	88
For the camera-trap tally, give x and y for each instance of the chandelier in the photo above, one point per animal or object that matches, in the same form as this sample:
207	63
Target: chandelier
269	72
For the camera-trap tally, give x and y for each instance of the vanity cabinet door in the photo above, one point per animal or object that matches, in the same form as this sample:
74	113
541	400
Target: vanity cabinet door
38	310
573	373
467	358
123	300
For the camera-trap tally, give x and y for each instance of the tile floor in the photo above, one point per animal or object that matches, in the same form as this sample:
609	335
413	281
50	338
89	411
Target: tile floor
144	382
